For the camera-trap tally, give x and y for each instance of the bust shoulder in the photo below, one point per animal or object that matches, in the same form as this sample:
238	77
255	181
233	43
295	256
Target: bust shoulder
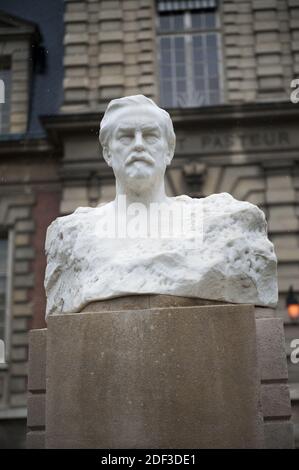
65	231
221	205
227	217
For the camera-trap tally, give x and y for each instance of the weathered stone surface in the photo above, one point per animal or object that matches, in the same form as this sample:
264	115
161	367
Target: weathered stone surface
36	410
271	349
276	400
37	360
36	440
169	378
279	435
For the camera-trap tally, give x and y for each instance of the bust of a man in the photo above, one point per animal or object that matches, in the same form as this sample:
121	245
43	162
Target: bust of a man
145	242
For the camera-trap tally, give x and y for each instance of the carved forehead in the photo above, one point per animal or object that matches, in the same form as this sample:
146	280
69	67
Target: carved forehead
135	117
132	124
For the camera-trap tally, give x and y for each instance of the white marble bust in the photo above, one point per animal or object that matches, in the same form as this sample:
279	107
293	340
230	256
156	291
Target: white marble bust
145	242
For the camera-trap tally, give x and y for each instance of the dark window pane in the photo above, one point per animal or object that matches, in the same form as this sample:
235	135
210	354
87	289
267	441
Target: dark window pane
180	56
211	40
210	20
5	75
181	86
197	41
1	328
166	99
198	68
214	84
199	84
3	255
197	20
179	43
180	71
198	54
166	56
164	22
179	22
165	43
2	288
166	86
212	67
166	71
212	55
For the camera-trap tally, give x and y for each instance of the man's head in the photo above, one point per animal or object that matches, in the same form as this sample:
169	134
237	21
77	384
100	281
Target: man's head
138	139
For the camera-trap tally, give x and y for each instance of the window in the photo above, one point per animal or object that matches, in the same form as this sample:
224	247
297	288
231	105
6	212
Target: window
3	282
189	53
5	76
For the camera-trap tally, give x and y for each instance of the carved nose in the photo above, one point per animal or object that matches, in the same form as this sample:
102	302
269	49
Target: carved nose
138	143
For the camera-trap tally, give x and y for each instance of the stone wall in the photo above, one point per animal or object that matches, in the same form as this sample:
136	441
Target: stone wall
275	392
294	30
109	52
37	389
27	207
15	214
259	48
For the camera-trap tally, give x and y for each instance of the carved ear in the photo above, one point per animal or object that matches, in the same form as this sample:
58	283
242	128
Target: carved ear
170	151
168	158
107	156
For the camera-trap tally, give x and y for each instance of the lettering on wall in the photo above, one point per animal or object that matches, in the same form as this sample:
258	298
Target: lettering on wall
230	141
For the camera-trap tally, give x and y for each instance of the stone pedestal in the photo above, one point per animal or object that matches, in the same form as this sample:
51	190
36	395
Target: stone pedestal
143	376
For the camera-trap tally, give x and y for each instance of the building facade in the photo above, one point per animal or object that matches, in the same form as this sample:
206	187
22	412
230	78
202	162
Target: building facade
224	71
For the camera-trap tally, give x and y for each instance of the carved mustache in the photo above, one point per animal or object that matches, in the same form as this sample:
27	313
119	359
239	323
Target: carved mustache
138	158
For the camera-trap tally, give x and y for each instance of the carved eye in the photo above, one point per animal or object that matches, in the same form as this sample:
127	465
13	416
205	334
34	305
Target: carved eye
151	138
126	139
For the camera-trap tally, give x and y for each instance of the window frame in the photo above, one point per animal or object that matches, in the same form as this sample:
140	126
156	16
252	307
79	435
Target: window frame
6	59
9	232
188	33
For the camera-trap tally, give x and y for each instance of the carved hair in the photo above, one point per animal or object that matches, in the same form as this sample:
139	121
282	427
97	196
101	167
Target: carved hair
110	118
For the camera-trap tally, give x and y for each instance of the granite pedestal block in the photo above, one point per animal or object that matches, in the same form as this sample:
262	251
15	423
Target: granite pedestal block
167	376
